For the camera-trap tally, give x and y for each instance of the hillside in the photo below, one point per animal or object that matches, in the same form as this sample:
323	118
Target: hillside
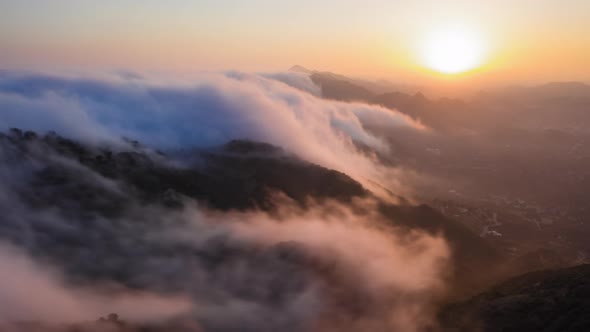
551	300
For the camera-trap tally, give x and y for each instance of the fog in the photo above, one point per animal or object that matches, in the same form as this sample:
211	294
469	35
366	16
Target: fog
291	271
277	201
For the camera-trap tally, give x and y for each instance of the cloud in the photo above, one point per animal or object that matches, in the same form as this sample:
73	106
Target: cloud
394	276
209	110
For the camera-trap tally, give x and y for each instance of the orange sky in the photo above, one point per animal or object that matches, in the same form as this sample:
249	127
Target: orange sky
526	41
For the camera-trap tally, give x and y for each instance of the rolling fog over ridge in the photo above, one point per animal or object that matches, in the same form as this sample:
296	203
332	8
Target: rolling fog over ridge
294	166
289	201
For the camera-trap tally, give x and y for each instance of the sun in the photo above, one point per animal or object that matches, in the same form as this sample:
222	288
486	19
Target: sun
453	50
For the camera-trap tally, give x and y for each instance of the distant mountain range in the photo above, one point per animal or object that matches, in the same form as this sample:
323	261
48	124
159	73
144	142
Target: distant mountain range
362	88
378	86
557	104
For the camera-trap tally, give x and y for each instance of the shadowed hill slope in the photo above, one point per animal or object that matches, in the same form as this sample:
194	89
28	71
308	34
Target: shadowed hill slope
552	300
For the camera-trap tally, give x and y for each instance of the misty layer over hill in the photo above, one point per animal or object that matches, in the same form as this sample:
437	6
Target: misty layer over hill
241	202
128	223
209	111
240	175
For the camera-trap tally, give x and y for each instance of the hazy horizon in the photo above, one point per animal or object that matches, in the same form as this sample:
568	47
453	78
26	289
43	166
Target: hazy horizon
520	41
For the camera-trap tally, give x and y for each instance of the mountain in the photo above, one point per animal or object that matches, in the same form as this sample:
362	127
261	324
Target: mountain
300	69
543	92
337	88
443	114
550	300
376	87
237	175
556	106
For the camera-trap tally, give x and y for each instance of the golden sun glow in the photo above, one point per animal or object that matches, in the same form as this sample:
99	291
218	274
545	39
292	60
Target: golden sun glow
453	50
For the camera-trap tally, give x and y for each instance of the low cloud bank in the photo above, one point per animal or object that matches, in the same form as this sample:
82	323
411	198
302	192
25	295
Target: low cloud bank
281	109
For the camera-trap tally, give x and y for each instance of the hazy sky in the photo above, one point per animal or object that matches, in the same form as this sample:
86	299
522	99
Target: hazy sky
524	40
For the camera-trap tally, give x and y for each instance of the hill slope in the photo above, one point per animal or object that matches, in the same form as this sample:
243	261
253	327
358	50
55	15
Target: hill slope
552	300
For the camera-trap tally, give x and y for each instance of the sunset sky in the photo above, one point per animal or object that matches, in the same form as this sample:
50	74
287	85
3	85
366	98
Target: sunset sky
519	40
